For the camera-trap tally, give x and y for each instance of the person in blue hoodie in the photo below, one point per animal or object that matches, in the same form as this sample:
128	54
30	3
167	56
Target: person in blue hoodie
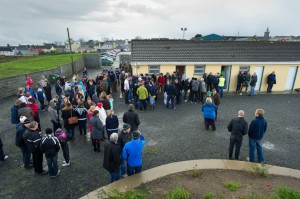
132	153
209	113
256	132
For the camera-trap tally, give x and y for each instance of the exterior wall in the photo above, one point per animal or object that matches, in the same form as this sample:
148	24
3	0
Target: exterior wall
189	71
141	69
297	82
92	61
167	69
213	68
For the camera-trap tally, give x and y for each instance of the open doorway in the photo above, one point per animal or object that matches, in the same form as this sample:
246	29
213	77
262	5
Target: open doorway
226	72
180	70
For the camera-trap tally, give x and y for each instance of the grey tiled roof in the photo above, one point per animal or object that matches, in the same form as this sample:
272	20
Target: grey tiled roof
213	51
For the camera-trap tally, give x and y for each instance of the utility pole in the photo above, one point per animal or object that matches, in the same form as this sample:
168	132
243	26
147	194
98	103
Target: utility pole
183	30
72	63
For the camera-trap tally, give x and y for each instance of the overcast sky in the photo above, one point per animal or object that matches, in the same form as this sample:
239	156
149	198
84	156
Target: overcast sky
38	21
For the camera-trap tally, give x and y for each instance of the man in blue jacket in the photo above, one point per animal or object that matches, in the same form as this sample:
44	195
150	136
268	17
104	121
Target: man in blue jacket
132	153
256	132
14	113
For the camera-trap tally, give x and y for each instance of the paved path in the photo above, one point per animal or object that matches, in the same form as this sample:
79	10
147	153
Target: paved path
171	135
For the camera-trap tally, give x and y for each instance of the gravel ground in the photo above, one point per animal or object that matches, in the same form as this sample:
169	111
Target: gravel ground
171	135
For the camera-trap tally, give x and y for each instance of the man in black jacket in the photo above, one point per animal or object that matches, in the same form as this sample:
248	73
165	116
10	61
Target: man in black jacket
33	140
238	128
20	142
132	118
171	92
50	146
112	158
179	88
123	138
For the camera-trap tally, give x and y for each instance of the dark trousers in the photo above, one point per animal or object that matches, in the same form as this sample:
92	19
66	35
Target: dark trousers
126	97
82	126
184	95
178	98
136	101
194	96
52	165
65	149
96	143
133	170
55	125
42	102
26	155
37	157
1	154
202	97
37	119
143	104
270	86
170	97
209	122
70	131
237	143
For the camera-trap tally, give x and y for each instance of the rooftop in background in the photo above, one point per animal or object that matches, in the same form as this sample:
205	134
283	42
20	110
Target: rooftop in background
214	51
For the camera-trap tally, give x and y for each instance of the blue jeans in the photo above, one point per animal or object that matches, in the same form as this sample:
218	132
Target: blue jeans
220	91
82	126
258	145
122	167
143	104
52	165
26	155
247	85
114	176
70	131
170	97
133	170
252	90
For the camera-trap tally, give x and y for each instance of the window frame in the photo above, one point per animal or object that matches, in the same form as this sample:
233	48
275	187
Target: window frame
199	65
151	71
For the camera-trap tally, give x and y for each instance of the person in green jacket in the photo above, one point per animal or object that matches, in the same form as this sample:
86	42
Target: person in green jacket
142	92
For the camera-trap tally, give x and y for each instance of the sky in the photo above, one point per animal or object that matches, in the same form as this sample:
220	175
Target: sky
36	21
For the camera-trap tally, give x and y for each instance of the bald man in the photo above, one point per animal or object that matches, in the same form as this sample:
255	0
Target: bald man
238	128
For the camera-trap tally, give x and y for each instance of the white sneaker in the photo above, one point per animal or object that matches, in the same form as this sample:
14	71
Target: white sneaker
65	164
241	94
5	157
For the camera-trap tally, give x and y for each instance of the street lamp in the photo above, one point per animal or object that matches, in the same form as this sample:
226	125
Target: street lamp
183	30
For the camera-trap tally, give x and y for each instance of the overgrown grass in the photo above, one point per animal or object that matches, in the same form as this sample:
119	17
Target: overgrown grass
127	194
195	172
262	170
286	193
34	64
208	195
232	186
179	193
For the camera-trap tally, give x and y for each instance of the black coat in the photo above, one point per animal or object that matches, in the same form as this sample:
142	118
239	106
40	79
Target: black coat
20	142
238	127
132	118
33	140
48	92
66	114
123	139
112	157
50	146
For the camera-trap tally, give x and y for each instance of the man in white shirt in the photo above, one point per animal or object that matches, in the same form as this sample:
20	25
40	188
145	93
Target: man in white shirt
126	88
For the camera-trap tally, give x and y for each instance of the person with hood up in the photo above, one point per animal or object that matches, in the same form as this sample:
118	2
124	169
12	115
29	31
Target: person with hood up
97	130
209	113
53	114
20	142
102	116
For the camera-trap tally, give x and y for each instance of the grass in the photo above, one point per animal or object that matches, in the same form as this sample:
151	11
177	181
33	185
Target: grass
262	170
195	172
127	194
286	193
34	64
232	186
208	195
179	193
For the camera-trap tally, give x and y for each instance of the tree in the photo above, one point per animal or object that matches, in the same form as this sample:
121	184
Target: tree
81	41
198	36
104	39
138	37
67	42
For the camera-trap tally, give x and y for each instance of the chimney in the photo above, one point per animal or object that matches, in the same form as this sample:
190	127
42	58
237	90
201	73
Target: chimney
267	34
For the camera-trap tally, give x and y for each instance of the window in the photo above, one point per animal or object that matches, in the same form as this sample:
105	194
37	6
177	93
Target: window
199	69
244	68
154	68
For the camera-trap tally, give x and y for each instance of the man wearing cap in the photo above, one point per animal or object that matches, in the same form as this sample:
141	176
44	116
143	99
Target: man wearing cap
124	137
50	146
33	141
20	142
112	158
132	118
132	153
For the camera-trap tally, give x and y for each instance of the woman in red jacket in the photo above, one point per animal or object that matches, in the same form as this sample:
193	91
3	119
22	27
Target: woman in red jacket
161	82
34	107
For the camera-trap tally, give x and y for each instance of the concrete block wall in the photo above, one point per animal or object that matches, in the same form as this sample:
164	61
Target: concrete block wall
92	61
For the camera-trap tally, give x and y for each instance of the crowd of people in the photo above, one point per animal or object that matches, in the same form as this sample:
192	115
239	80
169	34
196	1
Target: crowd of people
88	103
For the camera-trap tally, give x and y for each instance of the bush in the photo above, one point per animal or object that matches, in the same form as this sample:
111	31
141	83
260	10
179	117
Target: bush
128	194
286	193
208	195
262	170
232	186
179	193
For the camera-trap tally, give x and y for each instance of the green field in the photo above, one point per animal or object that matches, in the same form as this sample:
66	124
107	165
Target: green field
34	64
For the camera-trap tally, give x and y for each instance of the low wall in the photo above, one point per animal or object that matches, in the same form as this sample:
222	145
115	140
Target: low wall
92	61
10	85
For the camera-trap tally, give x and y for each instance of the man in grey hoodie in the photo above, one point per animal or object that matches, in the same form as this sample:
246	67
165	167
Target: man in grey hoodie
53	115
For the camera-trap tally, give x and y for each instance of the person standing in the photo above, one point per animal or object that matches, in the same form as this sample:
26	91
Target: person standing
253	84
271	79
48	92
97	129
221	85
50	146
112	158
132	118
132	153
2	154
195	88
62	137
81	112
53	115
216	100
142	92
171	92
126	89
257	130
238	128
247	80
240	83
25	111
112	123
14	118
202	90
66	113
209	113
33	140
179	88
124	137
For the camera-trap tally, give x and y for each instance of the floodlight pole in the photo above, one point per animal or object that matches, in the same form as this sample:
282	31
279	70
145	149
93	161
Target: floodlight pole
72	63
183	31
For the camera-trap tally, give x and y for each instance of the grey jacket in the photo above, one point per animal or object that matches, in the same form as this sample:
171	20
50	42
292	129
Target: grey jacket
27	112
202	87
97	127
52	112
195	85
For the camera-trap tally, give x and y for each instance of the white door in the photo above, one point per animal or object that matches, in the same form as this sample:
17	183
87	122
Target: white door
259	72
227	70
291	78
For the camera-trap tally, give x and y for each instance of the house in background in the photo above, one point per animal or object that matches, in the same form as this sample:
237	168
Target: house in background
7	51
229	58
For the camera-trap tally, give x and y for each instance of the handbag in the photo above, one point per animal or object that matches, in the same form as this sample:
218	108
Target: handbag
73	120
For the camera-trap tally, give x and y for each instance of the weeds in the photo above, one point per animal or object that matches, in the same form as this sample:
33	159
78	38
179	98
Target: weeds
179	193
127	194
208	195
286	193
262	170
232	186
151	150
195	172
